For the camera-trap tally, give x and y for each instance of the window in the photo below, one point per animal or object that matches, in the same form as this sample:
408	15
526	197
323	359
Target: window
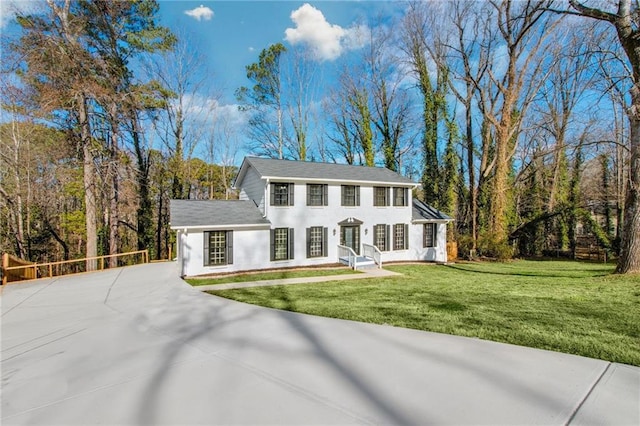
400	197
380	196
317	241
350	195
381	237
218	248
430	231
282	244
282	194
400	233
317	194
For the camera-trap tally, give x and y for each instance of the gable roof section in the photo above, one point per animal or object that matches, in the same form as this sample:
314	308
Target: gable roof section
425	213
321	172
214	213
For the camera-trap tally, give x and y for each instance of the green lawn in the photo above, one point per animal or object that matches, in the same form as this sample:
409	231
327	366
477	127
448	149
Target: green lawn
571	307
276	275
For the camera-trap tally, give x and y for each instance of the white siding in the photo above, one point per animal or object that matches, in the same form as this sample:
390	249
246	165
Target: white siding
431	254
252	188
300	216
250	251
252	247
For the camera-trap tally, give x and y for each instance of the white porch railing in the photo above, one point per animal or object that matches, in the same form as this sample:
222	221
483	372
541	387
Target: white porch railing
372	252
347	254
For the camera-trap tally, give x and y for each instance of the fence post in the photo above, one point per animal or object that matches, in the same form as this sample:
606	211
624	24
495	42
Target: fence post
5	265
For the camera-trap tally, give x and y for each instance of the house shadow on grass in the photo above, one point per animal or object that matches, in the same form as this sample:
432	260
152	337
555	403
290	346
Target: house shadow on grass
599	272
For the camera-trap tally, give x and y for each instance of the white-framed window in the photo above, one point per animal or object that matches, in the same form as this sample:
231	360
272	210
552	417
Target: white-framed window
317	194
430	234
317	237
281	193
381	237
350	195
282	244
400	236
401	197
380	196
218	248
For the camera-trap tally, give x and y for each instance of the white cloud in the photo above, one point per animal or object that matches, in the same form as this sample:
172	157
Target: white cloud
326	41
9	9
199	13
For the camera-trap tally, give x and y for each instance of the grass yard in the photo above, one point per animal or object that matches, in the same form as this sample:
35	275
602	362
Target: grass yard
572	307
275	275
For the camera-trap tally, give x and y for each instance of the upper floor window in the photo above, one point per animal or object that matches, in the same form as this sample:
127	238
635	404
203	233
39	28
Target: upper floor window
218	248
282	194
401	197
400	236
429	237
380	196
317	194
350	195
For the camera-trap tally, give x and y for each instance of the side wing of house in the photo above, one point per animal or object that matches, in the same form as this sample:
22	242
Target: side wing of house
219	236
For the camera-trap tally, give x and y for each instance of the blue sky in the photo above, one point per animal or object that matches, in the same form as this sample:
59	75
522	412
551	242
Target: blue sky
231	34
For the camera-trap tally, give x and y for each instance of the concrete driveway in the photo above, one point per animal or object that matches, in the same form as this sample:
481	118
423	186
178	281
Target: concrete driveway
137	346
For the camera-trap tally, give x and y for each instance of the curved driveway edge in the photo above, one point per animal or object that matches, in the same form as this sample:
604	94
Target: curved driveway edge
136	346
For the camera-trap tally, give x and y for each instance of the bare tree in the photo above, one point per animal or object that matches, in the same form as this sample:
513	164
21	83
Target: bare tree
513	81
263	100
187	108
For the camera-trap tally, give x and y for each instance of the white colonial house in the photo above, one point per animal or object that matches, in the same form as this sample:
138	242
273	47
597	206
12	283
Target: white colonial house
294	213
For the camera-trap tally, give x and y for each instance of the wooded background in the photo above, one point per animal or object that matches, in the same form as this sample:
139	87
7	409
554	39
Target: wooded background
520	119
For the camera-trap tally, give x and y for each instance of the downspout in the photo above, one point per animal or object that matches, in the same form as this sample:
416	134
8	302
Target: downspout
266	198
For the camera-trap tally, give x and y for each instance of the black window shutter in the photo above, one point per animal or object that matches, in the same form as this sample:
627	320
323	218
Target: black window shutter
308	194
424	235
357	195
273	244
205	252
325	242
291	247
229	247
387	238
272	194
387	200
406	236
291	190
325	195
342	195
308	243
434	232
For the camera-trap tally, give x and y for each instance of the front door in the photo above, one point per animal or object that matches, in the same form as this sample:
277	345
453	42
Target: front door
350	237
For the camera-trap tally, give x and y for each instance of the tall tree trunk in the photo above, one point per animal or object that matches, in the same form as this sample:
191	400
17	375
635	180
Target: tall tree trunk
473	192
629	260
498	210
114	215
89	182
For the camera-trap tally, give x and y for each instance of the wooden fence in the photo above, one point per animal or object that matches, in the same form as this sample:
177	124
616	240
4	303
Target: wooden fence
15	269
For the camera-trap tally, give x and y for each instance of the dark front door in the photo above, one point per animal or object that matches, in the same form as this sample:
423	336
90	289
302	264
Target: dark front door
350	237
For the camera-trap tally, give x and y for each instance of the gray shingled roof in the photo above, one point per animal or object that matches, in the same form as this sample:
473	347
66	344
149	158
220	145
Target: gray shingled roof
422	211
287	169
190	213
